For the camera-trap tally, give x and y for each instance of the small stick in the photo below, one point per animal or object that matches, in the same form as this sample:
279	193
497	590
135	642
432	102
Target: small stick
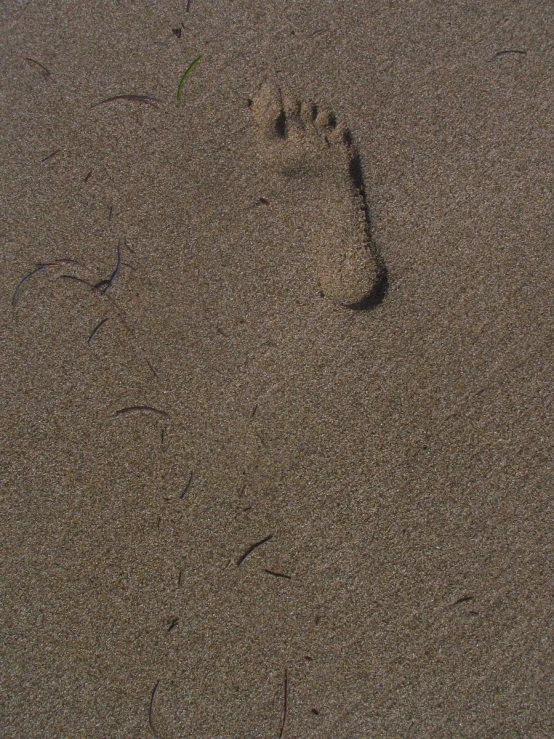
277	574
172	625
285	705
83	282
509	51
251	548
45	71
151	709
187	486
87	177
116	270
463	599
97	288
120	312
102	322
146	408
188	5
50	156
39	268
147	99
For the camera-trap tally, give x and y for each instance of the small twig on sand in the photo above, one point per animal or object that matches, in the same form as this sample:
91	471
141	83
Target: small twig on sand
285	705
80	280
151	709
50	156
97	288
463	599
116	270
251	548
45	72
94	330
187	486
38	268
522	52
277	574
20	284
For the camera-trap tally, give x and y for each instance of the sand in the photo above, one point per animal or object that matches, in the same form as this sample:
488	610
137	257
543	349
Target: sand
232	506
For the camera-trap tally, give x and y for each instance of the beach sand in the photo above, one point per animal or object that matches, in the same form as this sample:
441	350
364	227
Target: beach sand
231	505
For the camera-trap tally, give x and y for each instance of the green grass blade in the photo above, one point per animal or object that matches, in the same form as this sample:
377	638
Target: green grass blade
186	73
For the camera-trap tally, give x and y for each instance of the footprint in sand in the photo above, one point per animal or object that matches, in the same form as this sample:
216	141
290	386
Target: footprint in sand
306	145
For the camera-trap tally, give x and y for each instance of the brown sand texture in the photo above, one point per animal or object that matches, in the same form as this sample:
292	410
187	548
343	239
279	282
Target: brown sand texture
276	364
